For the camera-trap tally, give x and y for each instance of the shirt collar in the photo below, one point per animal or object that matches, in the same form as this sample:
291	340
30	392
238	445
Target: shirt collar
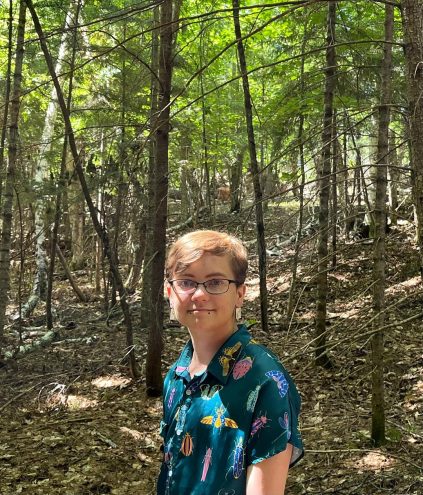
223	361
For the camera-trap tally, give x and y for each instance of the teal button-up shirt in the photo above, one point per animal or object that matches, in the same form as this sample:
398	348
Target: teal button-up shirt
242	410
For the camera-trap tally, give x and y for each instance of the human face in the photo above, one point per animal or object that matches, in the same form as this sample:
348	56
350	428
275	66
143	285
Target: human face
200	311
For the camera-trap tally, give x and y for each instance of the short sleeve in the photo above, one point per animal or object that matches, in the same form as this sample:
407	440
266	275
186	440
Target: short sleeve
275	420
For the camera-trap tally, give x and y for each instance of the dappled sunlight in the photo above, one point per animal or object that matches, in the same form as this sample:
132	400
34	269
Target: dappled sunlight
373	461
109	381
411	283
77	402
135	434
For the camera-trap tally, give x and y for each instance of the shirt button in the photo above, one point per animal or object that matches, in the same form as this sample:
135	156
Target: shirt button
188	392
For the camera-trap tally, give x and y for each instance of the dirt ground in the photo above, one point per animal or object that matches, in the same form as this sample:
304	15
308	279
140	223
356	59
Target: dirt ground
73	423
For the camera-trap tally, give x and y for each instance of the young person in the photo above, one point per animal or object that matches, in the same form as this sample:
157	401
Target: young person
230	419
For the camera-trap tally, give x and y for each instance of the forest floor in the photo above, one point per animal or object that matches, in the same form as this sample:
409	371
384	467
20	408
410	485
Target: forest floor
73	423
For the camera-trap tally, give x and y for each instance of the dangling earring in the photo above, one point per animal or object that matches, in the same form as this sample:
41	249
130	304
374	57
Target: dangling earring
172	316
237	313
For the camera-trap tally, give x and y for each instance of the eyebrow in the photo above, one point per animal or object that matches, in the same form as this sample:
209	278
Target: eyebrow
216	274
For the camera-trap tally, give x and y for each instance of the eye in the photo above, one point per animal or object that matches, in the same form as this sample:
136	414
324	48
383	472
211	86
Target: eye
185	284
215	282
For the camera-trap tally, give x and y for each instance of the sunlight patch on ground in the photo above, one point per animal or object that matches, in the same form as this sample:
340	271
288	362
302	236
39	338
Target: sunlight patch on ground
75	402
411	283
135	434
109	381
253	289
373	461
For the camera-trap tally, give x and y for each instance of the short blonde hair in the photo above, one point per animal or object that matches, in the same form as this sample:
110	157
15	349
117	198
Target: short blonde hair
190	247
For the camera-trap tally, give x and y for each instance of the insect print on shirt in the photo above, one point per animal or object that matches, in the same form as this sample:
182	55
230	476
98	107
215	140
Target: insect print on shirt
226	491
259	423
206	461
252	399
229	357
284	424
280	380
192	387
208	393
171	397
218	419
242	367
168	452
187	445
237	459
182	416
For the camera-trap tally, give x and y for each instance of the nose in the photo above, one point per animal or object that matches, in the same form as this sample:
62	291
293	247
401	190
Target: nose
200	294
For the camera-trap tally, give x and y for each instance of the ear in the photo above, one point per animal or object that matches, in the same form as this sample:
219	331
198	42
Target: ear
240	292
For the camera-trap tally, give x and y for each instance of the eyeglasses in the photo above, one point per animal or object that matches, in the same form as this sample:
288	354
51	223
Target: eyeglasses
213	286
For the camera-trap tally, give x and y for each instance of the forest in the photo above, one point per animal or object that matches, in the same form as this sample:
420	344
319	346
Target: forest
297	126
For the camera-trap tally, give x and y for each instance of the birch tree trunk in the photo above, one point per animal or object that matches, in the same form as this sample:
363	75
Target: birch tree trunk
321	356
39	289
101	231
412	18
378	407
255	172
7	210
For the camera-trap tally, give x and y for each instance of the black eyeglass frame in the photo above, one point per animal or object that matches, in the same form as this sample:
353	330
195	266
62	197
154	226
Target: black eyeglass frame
204	285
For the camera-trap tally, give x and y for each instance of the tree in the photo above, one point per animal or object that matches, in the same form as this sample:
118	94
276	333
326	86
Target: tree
255	172
322	358
412	19
7	207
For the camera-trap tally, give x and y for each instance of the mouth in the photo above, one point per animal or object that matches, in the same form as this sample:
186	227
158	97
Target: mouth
199	310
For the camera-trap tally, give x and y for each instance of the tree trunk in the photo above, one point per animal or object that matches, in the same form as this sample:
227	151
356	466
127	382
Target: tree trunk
61	184
101	231
378	408
7	210
6	99
394	177
255	172
154	381
146	310
236	181
334	216
412	17
42	170
321	356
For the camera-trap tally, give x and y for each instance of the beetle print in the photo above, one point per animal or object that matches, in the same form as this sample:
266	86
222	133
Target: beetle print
252	399
237	459
168	452
206	461
242	367
280	380
208	393
187	445
171	397
258	424
229	357
218	419
182	416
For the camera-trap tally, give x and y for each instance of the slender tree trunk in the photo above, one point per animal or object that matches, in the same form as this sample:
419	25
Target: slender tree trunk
378	407
292	288
39	289
154	381
6	100
101	231
394	176
255	172
61	183
7	209
146	310
236	181
322	358
334	216
412	17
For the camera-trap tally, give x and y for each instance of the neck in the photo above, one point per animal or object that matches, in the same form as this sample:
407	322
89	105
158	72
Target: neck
205	347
